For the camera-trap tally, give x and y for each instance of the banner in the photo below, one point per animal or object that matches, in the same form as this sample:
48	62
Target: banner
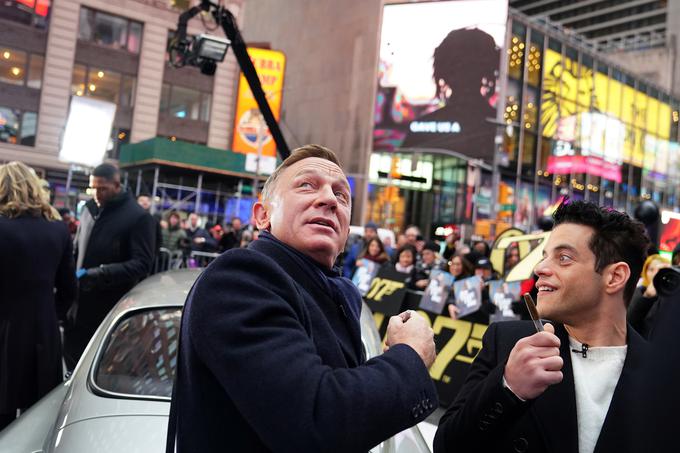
502	294
437	292
363	275
387	291
468	293
250	130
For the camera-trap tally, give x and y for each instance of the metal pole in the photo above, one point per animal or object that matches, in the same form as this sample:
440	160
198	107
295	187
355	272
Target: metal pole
199	187
68	186
153	190
139	182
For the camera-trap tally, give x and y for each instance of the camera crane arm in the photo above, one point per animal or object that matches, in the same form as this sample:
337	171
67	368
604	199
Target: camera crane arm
228	23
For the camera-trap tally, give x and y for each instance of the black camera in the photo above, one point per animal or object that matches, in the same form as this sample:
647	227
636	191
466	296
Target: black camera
667	280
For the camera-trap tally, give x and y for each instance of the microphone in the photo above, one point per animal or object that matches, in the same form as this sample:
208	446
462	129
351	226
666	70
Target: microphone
583	351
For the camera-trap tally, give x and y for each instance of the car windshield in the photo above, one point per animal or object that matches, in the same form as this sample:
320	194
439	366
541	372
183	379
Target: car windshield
140	354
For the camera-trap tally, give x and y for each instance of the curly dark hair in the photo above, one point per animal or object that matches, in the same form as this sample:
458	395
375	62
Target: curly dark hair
617	237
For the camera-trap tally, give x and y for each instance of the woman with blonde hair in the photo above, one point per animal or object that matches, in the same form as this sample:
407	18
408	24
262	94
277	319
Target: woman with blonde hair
37	286
644	303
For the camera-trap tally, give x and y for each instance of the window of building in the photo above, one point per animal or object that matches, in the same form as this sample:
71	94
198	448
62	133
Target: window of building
17	127
21	68
182	102
34	13
110	31
13	66
103	84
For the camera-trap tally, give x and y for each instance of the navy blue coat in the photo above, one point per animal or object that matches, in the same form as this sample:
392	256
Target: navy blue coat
487	417
37	285
269	363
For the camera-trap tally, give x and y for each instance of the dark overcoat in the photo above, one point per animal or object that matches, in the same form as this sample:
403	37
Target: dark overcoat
270	363
37	281
486	417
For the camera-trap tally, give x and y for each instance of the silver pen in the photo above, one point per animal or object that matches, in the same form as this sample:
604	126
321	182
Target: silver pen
531	306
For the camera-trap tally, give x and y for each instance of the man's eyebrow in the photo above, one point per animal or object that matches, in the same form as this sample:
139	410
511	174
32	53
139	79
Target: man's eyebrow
567	247
316	171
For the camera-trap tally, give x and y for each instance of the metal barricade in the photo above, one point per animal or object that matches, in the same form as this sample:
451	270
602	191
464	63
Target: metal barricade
201	259
169	259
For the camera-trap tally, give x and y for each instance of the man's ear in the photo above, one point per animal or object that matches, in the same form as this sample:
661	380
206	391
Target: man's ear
261	215
616	277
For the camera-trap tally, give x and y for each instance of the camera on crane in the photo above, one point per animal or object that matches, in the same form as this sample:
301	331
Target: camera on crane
203	51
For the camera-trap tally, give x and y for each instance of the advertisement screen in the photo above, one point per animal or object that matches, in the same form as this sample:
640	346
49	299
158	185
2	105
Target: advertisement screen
438	73
599	120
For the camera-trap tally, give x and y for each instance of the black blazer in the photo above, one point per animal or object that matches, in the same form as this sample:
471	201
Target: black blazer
37	285
487	417
270	363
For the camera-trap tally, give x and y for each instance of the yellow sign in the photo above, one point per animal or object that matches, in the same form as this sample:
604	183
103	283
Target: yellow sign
570	88
250	130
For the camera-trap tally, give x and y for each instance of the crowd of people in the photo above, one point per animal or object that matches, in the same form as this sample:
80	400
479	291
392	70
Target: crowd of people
272	330
418	258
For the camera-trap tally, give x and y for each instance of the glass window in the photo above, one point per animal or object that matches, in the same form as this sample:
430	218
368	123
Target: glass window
110	31
135	38
12	66
165	98
205	107
127	92
140	354
86	24
78	80
33	13
103	84
9	125
185	103
35	71
29	125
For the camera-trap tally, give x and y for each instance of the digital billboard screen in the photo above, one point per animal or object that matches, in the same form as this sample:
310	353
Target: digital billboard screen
438	76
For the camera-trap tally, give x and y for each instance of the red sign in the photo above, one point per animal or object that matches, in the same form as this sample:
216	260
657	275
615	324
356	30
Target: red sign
595	166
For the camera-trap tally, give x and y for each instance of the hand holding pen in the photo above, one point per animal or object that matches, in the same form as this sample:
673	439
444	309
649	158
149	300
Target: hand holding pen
535	362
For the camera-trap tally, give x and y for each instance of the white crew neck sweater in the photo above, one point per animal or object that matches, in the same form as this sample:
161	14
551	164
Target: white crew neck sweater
595	378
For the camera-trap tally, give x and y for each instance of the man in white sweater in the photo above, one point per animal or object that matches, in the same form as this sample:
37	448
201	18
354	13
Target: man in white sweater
567	388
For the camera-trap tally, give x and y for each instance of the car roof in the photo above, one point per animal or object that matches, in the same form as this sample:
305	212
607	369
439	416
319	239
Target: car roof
168	288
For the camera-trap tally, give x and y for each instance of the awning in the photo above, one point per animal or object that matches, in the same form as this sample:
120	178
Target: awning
161	151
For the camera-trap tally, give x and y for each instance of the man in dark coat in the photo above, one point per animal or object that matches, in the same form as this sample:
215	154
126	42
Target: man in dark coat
114	250
570	387
271	357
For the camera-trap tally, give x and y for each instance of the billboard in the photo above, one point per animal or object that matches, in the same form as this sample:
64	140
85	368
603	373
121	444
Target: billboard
598	122
250	130
438	74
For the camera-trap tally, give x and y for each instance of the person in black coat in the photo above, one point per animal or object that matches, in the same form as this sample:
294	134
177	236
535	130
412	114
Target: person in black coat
37	286
271	357
114	249
570	387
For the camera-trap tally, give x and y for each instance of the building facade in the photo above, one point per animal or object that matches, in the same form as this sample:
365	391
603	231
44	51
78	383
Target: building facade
109	50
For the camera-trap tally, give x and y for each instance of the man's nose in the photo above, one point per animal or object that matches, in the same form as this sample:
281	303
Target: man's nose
542	268
326	197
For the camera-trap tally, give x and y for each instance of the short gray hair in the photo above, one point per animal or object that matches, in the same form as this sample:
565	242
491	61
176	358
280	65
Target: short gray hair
297	155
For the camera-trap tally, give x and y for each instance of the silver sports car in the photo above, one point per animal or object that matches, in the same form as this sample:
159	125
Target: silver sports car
117	399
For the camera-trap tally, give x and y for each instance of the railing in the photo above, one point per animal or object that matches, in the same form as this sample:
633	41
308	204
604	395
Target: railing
179	259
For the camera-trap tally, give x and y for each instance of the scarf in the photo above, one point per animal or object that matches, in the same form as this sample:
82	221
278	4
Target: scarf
339	289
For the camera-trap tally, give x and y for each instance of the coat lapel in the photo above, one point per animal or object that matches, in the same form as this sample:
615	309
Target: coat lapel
329	309
555	410
615	433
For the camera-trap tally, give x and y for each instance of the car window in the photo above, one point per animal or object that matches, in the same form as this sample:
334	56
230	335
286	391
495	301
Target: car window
140	354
